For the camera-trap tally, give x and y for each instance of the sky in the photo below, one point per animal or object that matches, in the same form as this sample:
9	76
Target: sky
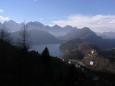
96	14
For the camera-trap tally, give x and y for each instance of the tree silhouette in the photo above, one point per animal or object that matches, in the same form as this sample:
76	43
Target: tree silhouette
24	38
4	39
4	35
45	52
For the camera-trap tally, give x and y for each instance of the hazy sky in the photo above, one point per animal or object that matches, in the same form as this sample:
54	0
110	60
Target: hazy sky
62	12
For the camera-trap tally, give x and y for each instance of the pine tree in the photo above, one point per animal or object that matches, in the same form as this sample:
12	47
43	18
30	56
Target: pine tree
45	52
24	38
4	35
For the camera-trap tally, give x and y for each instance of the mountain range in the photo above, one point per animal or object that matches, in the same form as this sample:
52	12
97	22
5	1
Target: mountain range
44	34
107	35
36	37
55	30
87	37
39	33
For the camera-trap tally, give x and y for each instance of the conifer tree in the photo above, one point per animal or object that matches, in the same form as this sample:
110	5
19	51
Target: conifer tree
24	37
45	52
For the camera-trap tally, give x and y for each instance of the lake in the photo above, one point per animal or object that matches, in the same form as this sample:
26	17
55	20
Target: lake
54	49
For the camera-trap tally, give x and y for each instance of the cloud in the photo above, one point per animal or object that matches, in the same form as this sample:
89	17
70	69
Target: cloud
3	18
98	23
1	10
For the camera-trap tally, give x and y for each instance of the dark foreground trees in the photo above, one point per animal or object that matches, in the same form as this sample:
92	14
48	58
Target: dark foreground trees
24	37
20	68
5	35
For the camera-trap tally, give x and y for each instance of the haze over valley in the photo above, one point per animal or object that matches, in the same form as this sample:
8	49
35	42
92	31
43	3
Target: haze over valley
57	43
44	35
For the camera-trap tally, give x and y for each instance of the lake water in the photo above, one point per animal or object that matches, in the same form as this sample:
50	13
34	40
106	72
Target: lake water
53	49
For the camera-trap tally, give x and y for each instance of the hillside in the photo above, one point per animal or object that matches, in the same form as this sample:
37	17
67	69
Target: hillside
83	42
20	67
36	37
88	37
55	30
82	33
107	35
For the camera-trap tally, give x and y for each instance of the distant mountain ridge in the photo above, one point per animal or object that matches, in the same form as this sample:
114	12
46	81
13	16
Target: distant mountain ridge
88	37
36	37
32	25
41	34
107	35
83	33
